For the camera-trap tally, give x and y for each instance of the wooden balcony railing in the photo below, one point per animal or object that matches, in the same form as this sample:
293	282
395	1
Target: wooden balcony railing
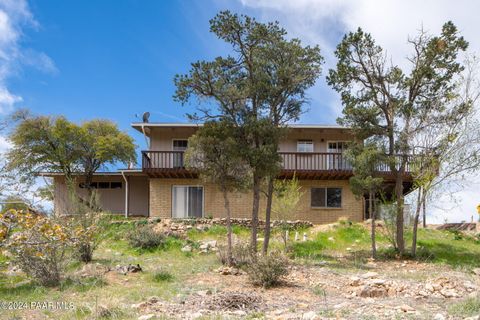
312	162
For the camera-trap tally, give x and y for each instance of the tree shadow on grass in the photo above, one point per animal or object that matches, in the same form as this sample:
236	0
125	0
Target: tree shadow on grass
455	256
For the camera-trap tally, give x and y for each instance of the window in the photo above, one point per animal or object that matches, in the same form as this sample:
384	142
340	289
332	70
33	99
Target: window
187	201
103	185
304	146
337	146
180	145
116	185
326	197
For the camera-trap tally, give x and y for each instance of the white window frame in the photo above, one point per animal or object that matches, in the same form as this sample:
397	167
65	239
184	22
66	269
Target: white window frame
188	186
178	139
327	207
336	141
305	142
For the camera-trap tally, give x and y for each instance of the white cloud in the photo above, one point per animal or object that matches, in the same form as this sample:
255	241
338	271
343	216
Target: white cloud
15	15
324	22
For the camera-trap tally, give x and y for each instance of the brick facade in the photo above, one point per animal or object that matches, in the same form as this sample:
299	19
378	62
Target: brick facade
241	203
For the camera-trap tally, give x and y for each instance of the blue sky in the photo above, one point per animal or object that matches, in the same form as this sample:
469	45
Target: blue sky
116	58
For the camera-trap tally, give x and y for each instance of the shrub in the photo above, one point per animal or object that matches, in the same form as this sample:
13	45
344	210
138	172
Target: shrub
466	308
267	271
40	246
145	238
241	253
162	276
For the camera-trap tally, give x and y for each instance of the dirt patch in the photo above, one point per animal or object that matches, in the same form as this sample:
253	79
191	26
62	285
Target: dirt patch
386	290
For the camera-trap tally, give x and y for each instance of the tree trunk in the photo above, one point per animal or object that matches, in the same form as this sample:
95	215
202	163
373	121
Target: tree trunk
400	203
424	206
229	228
371	212
415	222
268	213
255	208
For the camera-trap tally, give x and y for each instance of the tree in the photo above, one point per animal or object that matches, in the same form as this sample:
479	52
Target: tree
214	153
286	196
365	161
255	90
448	153
54	144
384	103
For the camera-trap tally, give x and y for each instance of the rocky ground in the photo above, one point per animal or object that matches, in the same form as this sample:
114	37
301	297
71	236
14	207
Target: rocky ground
382	290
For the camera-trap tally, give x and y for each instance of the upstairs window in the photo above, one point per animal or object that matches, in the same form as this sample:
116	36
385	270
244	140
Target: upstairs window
304	146
337	146
180	145
326	197
102	185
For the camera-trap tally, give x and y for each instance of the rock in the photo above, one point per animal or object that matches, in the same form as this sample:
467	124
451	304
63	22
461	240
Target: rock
93	269
146	316
239	313
356	281
372	292
476	271
368	275
406	308
378	282
439	316
186	248
449	293
310	315
130	268
473	318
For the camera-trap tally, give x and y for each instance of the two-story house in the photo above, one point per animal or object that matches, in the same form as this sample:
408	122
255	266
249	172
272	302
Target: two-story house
164	188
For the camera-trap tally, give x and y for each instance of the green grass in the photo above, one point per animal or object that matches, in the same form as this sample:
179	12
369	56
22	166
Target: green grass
466	308
161	276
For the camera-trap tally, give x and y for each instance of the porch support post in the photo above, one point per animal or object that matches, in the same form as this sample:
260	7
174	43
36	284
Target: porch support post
127	192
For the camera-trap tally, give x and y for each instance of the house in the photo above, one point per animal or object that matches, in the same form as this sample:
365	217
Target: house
164	188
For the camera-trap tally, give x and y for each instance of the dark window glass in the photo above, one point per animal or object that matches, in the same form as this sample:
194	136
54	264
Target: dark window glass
180	145
334	197
318	197
94	185
116	185
103	185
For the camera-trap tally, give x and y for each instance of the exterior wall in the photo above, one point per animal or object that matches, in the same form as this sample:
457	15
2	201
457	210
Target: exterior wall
138	195
241	203
320	137
161	138
112	200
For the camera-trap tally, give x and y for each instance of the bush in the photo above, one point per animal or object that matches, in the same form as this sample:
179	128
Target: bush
241	253
162	276
267	271
145	238
40	246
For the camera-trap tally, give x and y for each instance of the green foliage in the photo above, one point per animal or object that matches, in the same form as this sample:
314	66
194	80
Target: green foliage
287	195
241	254
54	144
267	270
393	108
466	308
145	238
162	276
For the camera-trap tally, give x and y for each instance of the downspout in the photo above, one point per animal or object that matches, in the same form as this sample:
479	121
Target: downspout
145	135
126	193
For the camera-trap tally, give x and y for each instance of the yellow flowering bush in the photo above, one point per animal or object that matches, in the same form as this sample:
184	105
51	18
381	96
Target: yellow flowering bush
39	245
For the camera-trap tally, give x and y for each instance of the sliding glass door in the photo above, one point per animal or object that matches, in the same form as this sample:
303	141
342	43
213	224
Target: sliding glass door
187	202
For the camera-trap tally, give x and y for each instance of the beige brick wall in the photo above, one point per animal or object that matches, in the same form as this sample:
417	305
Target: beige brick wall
241	203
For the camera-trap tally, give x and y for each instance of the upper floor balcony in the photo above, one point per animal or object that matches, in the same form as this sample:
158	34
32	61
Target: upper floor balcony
304	165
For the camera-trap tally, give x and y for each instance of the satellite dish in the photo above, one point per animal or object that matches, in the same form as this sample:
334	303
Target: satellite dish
145	116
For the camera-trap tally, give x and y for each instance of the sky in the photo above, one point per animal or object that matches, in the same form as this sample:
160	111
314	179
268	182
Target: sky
116	59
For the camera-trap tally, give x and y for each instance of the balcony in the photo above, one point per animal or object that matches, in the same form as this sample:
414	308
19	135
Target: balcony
315	165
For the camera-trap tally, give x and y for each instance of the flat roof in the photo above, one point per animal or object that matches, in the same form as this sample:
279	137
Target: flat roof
119	172
140	126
